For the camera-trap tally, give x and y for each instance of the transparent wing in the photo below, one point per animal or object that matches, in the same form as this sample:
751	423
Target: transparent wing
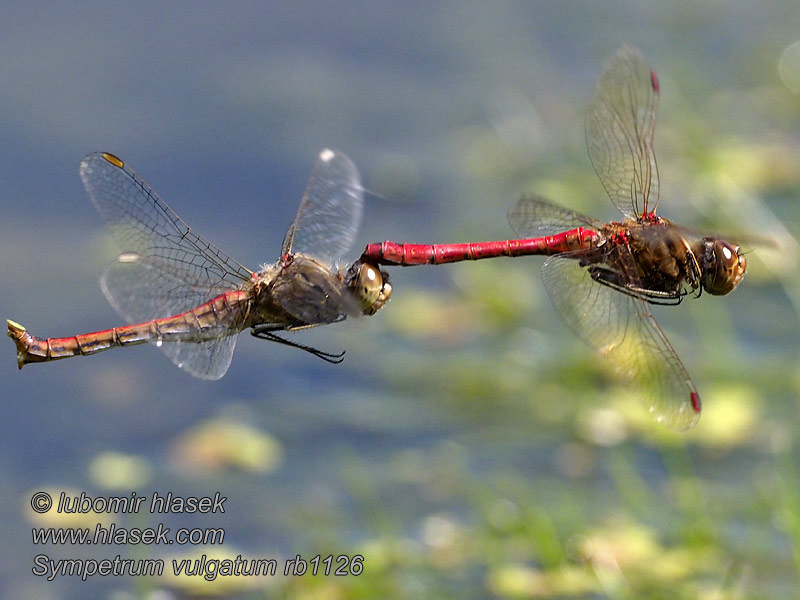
619	132
166	269
623	329
330	211
141	222
533	216
140	287
206	359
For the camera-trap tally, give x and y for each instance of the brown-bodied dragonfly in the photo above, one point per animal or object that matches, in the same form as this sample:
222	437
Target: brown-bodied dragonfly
603	276
191	299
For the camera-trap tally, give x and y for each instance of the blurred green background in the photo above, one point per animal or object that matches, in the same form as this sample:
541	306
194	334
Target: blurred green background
469	446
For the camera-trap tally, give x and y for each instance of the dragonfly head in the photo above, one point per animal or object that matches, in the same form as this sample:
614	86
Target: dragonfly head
723	266
369	285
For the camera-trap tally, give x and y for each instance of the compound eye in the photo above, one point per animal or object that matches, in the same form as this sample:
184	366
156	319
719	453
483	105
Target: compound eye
724	267
368	286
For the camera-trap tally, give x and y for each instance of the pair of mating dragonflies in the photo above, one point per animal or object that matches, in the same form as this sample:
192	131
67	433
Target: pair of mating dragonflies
191	299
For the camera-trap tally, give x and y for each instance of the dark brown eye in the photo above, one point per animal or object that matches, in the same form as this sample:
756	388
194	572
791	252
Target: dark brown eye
723	266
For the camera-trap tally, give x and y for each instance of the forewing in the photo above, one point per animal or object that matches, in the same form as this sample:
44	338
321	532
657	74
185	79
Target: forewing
623	329
619	132
142	288
330	211
533	216
142	223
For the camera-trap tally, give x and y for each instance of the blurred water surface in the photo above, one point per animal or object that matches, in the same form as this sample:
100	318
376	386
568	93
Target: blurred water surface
469	446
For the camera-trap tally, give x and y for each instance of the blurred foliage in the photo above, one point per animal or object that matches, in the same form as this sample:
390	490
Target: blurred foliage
472	447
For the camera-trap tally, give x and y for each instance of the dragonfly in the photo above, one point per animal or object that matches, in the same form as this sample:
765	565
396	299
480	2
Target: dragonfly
188	297
603	277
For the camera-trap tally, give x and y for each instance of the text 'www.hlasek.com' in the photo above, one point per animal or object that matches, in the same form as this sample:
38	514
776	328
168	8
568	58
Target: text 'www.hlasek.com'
106	533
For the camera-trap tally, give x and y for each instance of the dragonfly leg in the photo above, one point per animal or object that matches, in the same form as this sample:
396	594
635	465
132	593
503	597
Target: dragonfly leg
669	298
615	280
267	332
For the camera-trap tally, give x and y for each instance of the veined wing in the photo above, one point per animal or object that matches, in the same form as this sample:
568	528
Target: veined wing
139	287
330	211
323	230
142	223
166	268
622	328
619	132
533	216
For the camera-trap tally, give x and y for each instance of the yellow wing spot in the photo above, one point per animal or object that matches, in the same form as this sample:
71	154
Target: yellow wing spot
113	160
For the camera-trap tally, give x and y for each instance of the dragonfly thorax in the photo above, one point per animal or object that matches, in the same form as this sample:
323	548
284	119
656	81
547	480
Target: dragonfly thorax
722	266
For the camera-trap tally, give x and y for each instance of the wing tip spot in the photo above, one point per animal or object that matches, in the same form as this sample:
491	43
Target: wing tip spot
113	159
654	81
695	400
327	155
128	257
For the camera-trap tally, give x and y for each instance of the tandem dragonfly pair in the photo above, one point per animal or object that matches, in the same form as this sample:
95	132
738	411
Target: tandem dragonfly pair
191	299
